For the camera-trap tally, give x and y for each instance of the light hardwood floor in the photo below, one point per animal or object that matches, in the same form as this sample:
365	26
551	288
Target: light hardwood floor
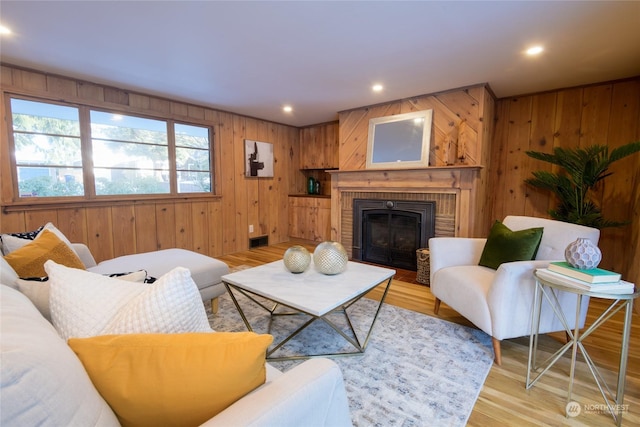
504	400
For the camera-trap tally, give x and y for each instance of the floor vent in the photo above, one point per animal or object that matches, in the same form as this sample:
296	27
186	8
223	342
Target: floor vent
258	241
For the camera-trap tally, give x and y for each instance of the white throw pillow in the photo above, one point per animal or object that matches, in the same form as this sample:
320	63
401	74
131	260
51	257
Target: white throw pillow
11	243
85	304
38	291
25	235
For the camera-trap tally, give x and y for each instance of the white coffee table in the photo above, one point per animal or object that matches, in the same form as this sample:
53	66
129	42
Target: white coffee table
311	293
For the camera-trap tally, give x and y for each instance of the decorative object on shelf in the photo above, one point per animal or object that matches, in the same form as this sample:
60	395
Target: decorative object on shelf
330	258
297	259
316	189
311	185
583	254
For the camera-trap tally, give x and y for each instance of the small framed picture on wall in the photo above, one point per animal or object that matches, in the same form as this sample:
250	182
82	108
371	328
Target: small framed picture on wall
258	159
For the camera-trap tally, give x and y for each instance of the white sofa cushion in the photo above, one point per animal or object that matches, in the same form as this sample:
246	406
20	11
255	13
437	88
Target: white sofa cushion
85	304
42	380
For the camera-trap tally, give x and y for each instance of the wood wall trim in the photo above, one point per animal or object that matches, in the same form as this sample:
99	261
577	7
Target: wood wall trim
407	179
46	205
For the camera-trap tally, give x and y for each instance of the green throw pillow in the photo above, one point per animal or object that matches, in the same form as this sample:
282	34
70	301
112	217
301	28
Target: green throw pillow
504	245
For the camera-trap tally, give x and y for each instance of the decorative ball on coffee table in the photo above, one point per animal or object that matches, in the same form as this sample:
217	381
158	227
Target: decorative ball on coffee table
296	259
330	258
583	254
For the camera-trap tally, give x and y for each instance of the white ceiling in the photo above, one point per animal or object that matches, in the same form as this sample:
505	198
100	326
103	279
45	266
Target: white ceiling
322	57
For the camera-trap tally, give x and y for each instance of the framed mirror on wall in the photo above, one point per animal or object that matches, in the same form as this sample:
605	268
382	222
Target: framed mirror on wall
400	141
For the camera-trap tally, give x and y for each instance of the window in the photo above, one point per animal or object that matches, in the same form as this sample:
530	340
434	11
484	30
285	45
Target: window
130	154
47	149
123	154
192	159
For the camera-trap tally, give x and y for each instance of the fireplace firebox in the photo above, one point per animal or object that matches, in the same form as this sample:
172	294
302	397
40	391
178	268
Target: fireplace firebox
389	232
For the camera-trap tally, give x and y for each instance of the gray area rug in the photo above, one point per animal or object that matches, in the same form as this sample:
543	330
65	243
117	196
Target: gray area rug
417	370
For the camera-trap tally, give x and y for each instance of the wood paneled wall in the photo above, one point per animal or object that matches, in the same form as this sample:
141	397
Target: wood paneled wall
318	146
607	114
459	136
213	225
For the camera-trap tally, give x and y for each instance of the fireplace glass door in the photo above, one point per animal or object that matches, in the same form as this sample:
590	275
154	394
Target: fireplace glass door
391	237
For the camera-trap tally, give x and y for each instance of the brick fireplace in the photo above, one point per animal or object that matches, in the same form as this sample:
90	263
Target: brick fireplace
453	189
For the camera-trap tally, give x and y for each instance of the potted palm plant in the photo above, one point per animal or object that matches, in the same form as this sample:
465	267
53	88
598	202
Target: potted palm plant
581	169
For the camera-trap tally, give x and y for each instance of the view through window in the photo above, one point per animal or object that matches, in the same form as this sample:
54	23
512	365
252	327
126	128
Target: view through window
125	155
48	155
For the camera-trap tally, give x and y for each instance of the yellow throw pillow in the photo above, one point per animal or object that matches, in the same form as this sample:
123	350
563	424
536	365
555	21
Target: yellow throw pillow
28	261
173	379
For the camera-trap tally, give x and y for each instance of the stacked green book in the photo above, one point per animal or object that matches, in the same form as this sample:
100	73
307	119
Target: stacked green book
593	275
616	287
591	280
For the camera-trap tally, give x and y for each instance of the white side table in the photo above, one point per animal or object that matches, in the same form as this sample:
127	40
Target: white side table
549	290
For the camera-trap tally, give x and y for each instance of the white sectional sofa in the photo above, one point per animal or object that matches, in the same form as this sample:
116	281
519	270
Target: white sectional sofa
45	381
42	382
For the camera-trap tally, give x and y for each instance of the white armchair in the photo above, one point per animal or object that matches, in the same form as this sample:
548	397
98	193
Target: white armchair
499	302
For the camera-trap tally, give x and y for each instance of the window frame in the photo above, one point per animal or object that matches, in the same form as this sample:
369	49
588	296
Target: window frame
86	147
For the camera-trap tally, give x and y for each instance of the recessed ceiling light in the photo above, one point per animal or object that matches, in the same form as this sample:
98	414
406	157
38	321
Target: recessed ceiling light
377	88
4	30
287	108
534	50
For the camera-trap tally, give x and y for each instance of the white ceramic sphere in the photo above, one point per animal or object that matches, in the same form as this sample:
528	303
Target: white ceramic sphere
330	258
583	254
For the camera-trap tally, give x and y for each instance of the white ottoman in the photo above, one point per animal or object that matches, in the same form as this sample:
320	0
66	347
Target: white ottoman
205	271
